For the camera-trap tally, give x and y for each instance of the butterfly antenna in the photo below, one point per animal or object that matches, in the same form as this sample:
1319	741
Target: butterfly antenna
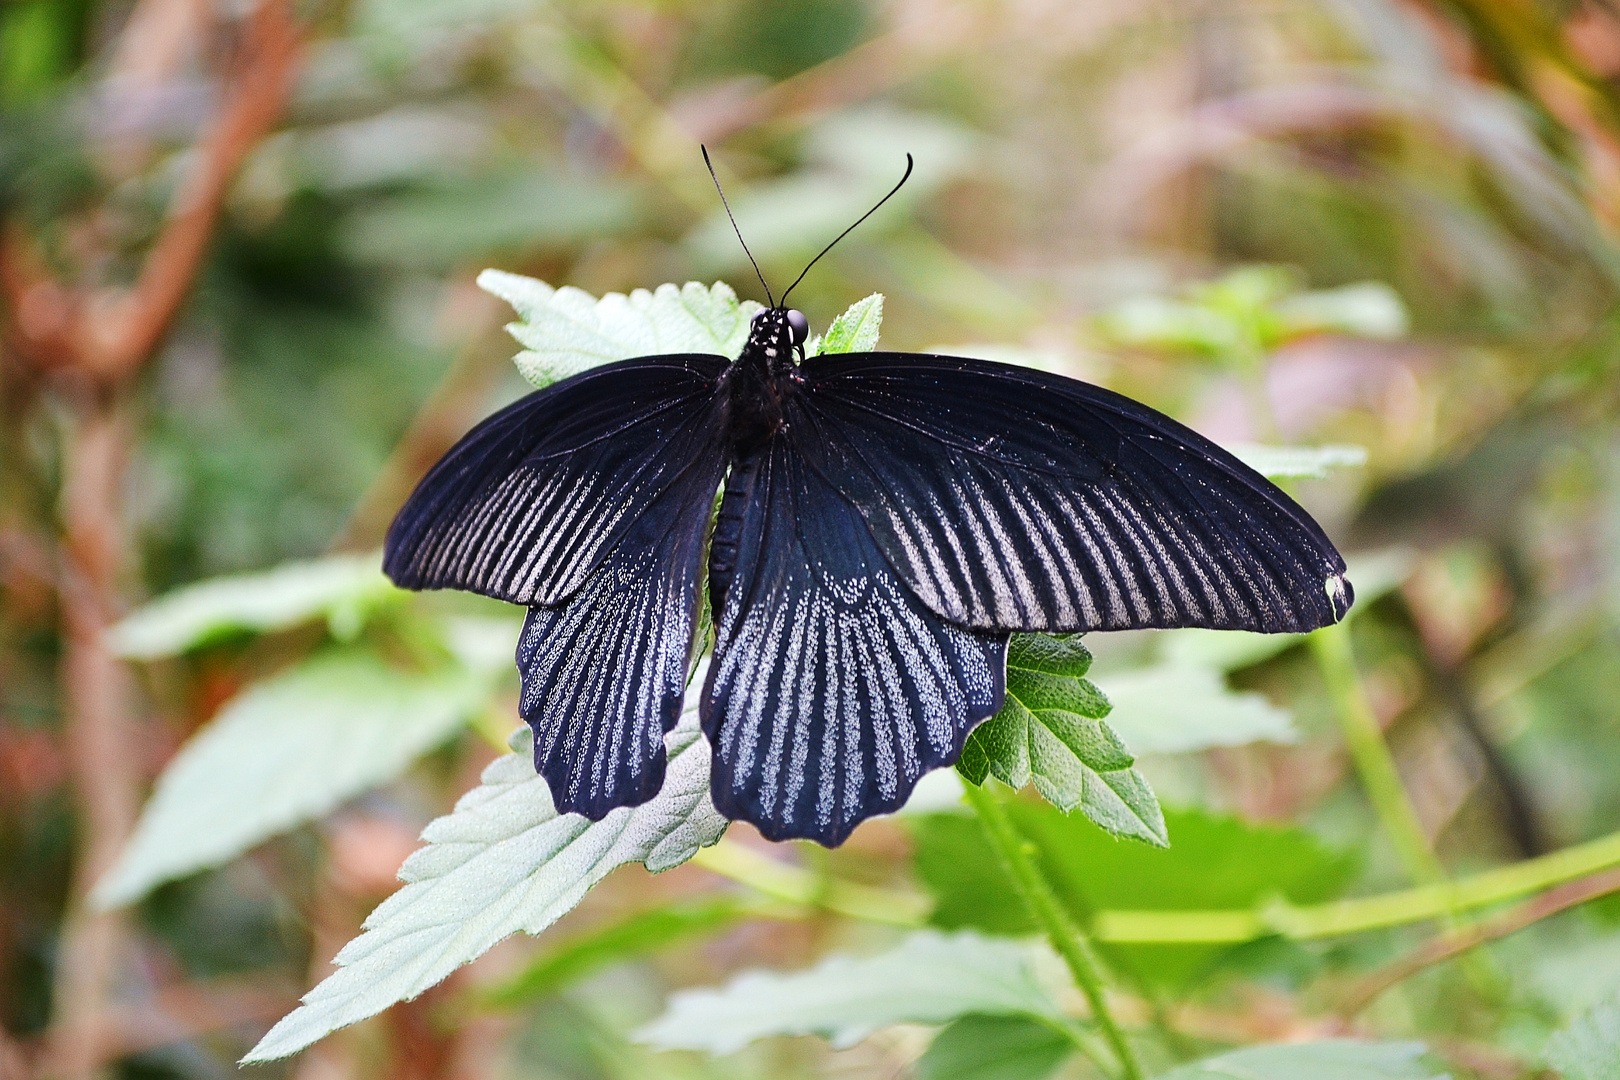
734	228
846	232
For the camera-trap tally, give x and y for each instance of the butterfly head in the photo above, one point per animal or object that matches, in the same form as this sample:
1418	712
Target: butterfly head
776	334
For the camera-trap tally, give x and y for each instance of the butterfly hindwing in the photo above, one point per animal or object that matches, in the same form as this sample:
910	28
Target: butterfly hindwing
530	501
604	674
1009	499
832	689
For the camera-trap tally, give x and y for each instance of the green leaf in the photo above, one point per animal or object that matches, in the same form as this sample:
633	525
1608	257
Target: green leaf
1215	862
1175	708
644	932
994	1048
503	861
856	330
343	588
1328	1059
566	331
283	752
1050	732
1588	1048
1280	462
929	978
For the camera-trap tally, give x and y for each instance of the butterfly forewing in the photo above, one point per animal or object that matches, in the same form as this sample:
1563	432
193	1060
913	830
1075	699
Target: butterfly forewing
1009	499
832	689
604	674
531	500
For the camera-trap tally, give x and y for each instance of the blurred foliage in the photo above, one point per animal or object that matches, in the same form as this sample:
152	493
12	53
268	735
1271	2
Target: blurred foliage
1310	223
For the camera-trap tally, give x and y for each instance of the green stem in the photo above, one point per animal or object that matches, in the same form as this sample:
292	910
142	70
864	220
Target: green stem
1335	657
1048	913
1369	751
795	885
799	887
1364	913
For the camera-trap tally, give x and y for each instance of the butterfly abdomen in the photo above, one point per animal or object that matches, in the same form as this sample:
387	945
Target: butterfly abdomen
728	526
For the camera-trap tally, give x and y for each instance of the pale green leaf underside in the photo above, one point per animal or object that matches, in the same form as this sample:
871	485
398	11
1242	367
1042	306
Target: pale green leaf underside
566	331
1589	1047
286	751
929	978
501	862
1328	1059
1175	708
341	588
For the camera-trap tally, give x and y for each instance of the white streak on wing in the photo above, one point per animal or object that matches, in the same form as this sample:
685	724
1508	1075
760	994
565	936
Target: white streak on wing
801	655
886	703
922	559
1104	556
977	610
987	559
1048	549
1020	590
1193	548
758	719
1154	558
1113	526
837	676
1079	581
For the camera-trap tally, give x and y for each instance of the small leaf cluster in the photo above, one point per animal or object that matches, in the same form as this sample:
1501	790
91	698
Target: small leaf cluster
1051	732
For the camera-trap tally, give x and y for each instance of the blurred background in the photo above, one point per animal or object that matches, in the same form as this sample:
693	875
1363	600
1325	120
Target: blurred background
237	256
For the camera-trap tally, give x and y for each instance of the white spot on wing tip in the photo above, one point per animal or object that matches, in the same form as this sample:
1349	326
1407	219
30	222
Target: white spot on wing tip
1340	594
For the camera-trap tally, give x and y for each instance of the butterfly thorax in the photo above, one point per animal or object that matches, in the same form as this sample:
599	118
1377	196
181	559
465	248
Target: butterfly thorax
758	383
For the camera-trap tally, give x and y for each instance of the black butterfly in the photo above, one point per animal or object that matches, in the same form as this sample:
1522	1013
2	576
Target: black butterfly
888	520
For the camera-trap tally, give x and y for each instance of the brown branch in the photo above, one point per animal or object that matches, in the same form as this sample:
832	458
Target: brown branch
272	51
14	1064
1448	946
107	334
100	735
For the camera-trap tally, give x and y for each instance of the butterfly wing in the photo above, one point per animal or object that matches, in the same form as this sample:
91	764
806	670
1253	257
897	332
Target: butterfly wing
1011	499
528	503
832	689
604	674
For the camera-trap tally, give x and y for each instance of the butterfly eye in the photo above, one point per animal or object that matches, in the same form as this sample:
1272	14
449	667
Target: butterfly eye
799	325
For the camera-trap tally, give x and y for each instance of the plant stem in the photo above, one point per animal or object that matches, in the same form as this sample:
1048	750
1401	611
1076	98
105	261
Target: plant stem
797	886
1450	945
1048	913
1336	659
1363	913
1382	782
1369	751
